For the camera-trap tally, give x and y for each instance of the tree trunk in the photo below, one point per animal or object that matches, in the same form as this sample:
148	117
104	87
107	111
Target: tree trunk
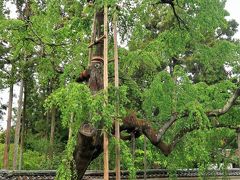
53	124
89	146
9	119
21	148
22	128
17	128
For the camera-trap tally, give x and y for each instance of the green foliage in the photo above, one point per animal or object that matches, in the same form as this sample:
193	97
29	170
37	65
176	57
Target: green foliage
33	159
64	170
127	160
77	99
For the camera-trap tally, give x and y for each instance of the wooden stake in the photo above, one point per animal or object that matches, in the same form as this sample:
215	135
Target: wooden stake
105	85
133	141
93	37
116	79
145	158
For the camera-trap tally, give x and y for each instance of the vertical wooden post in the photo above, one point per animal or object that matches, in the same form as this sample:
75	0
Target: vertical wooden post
145	158
133	141
93	37
238	140
116	80
105	86
238	143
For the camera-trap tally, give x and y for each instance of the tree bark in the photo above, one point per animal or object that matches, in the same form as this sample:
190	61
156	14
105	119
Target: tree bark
17	128
9	119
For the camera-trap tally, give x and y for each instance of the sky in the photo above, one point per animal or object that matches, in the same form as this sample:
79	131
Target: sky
232	6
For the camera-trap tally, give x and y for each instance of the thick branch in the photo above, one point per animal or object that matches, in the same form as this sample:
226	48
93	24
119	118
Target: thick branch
178	137
166	126
226	107
132	122
231	101
84	76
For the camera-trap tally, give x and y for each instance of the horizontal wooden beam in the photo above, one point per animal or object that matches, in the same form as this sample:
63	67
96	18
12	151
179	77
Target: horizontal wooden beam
97	41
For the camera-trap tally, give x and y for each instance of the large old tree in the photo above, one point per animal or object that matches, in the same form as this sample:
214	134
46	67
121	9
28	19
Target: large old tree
179	79
171	84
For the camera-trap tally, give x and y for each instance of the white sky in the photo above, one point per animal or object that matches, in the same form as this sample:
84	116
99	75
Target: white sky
233	7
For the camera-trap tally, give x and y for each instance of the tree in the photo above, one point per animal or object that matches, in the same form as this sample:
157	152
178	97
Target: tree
192	98
175	88
17	128
7	138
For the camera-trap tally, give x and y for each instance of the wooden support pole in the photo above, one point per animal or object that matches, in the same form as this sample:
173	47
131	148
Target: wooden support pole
105	85
93	37
145	158
133	142
116	80
238	144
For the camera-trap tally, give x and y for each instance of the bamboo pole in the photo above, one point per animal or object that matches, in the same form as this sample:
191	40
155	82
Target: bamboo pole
93	37
105	85
116	80
133	141
145	158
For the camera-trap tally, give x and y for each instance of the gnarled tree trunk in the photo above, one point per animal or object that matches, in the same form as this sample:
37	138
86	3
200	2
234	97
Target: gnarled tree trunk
90	142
